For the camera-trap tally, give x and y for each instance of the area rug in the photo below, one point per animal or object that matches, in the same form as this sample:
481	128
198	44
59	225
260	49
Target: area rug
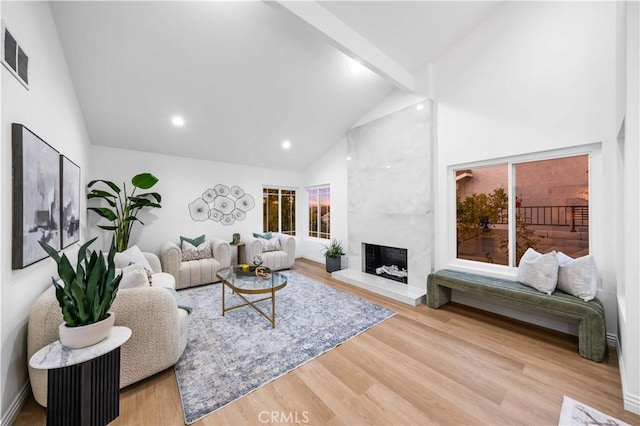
574	413
229	356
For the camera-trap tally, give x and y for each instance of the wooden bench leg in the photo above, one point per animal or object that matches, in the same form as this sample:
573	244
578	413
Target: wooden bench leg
437	295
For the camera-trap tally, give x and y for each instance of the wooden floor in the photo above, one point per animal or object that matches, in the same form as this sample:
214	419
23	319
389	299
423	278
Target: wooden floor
450	366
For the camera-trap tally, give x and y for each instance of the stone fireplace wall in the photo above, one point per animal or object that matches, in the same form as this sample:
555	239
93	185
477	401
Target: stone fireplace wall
390	191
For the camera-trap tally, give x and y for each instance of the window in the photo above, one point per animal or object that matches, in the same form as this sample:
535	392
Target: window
319	212
279	210
503	209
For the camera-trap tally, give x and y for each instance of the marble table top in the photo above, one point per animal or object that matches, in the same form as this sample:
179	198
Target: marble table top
54	355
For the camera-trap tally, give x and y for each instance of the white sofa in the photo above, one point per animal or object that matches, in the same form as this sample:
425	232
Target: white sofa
275	260
159	331
195	272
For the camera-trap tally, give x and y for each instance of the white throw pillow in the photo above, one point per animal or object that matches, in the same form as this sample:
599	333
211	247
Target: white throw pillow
272	244
133	276
191	252
131	256
578	277
539	271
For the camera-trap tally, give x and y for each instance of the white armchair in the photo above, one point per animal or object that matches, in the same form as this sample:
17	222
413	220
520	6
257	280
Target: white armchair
195	272
284	258
159	331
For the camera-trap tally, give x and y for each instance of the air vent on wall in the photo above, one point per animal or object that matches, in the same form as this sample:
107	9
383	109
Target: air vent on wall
14	58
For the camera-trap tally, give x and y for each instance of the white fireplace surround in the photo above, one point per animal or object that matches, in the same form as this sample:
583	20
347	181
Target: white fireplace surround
390	198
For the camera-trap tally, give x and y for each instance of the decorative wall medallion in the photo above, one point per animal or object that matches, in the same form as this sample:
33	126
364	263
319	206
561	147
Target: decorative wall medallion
221	204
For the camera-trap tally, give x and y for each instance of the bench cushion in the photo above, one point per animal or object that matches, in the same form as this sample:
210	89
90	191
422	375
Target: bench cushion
591	334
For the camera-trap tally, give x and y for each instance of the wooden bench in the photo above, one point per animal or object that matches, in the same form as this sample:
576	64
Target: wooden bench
592	329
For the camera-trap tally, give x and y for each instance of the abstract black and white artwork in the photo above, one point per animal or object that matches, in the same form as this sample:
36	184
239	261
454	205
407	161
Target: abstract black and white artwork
70	196
36	197
221	204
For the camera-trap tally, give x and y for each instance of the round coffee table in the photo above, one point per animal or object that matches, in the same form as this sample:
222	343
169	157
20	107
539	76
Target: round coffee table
246	282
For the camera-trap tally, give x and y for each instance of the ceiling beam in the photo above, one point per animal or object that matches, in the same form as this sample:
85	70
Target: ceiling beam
349	42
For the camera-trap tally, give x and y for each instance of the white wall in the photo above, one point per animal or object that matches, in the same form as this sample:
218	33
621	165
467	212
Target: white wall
182	180
534	76
330	169
394	102
50	109
629	229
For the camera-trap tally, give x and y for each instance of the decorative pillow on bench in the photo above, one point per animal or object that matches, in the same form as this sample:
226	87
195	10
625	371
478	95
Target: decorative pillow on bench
539	271
578	277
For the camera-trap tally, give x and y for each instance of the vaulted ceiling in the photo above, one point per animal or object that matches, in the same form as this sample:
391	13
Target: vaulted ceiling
246	76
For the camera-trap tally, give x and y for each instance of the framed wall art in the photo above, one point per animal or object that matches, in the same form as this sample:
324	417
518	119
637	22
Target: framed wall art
70	201
36	197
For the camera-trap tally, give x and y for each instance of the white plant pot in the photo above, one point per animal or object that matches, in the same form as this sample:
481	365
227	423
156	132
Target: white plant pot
86	335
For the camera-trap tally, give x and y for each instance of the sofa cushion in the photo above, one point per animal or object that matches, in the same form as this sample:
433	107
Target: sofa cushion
197	272
266	235
162	279
131	256
194	241
191	252
270	245
133	276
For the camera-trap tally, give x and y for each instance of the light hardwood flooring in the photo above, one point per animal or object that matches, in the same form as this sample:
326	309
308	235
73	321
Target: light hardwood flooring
451	366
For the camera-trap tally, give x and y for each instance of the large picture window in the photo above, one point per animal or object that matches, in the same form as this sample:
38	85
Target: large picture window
279	210
319	212
503	209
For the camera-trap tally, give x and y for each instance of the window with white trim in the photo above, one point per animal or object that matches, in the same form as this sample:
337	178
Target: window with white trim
279	210
319	199
504	208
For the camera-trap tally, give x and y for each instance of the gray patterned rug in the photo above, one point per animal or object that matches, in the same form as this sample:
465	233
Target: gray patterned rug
228	357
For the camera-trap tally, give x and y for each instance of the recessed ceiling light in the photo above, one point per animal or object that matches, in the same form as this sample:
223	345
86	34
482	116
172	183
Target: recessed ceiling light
419	107
349	158
286	144
355	67
177	121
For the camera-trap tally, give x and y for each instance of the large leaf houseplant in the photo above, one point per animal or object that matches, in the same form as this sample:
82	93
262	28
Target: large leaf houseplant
86	292
122	207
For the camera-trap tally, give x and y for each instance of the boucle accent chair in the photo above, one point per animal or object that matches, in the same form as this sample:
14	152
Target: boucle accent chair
159	332
277	259
590	315
195	272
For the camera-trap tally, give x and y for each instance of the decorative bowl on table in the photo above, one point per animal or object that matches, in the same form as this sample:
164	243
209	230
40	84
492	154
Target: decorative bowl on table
247	270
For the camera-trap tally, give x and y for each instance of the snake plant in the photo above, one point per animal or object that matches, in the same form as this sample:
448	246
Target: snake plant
123	207
90	289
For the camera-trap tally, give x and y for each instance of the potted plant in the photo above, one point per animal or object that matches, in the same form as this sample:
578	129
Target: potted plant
86	295
333	254
123	207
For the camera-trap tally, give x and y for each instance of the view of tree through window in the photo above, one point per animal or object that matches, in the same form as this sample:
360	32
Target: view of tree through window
279	210
551	209
319	212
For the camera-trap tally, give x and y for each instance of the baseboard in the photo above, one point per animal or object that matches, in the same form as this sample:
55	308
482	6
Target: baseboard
612	341
631	402
314	259
18	402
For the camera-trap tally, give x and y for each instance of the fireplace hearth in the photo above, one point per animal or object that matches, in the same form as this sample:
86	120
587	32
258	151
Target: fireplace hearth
386	262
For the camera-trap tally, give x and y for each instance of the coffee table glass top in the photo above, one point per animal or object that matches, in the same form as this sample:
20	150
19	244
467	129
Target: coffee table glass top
248	282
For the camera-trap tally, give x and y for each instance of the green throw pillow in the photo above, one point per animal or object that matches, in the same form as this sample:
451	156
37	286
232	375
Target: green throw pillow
266	235
193	241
